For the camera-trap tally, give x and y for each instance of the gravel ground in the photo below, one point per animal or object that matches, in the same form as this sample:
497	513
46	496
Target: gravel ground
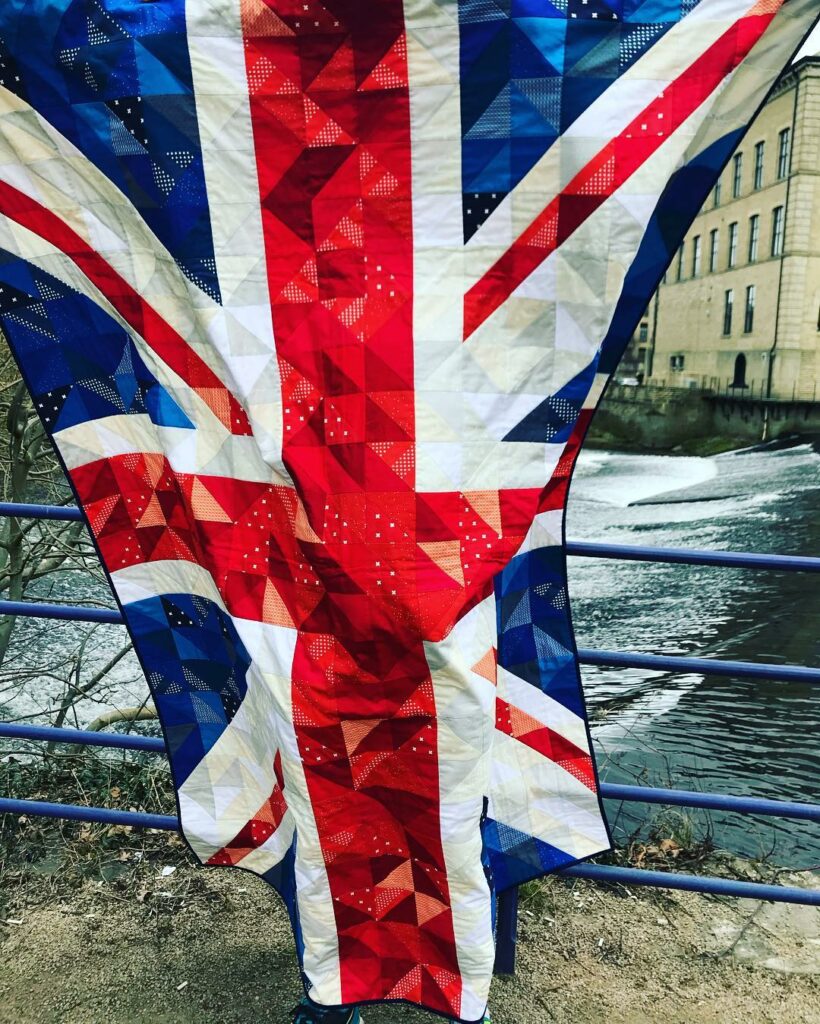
213	947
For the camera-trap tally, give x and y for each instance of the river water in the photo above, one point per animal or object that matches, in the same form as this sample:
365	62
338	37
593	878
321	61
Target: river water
714	734
744	737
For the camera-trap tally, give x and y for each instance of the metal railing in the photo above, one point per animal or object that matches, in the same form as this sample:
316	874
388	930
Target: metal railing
758	390
643	794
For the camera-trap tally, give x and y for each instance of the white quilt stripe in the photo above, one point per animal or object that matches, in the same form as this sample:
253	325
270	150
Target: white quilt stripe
465	720
537	797
187	451
217	52
433	49
274	646
145	580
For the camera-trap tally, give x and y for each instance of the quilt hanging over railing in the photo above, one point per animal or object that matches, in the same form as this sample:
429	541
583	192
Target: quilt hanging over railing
315	300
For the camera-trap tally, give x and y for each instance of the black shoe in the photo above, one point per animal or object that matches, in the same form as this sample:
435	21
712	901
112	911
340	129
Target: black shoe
308	1012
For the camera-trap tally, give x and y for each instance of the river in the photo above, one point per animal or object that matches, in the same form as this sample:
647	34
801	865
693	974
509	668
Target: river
743	737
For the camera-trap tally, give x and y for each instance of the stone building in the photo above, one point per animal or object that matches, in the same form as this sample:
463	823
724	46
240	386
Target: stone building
739	310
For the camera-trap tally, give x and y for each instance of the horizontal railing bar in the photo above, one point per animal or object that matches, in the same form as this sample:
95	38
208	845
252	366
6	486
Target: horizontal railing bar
587	656
72	612
711	801
68	513
694	883
695	556
704	666
51	734
101	815
611	791
593	872
686	556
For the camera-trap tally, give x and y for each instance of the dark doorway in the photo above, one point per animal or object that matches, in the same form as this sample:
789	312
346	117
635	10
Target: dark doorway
740	372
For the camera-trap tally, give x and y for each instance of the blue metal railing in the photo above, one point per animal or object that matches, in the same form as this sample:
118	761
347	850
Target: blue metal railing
610	791
692	556
644	794
586	656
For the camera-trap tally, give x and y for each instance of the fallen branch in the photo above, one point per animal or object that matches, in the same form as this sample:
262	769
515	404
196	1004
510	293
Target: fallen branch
143	713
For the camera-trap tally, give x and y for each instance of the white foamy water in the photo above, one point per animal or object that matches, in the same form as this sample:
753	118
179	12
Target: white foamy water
623	480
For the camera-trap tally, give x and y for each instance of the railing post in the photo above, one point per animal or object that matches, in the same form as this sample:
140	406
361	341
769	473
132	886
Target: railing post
506	931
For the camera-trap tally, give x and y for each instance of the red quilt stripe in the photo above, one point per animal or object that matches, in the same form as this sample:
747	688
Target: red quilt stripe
614	164
330	112
534	734
269	565
158	334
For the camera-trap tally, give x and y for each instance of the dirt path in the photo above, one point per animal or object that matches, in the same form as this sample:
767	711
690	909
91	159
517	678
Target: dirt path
213	947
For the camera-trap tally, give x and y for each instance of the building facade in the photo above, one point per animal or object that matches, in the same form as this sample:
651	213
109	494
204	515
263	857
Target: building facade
739	308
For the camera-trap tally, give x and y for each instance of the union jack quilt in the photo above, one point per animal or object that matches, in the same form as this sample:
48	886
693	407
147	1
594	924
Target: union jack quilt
315	299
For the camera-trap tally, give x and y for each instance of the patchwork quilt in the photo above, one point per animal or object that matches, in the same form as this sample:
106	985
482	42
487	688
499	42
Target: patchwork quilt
315	299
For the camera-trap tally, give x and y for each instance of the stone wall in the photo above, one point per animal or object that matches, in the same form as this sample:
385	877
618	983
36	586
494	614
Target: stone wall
660	418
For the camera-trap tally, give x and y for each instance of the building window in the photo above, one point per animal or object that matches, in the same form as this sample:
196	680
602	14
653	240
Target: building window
732	261
680	262
777	231
783	152
728	303
760	149
716	194
714	244
754	236
696	256
737	174
643	332
676	363
749	315
739	380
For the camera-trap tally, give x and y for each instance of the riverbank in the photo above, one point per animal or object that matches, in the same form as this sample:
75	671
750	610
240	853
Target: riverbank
194	946
657	419
600	439
701	446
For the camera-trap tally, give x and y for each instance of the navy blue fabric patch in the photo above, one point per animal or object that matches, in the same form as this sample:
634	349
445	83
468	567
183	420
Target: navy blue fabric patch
80	363
516	857
283	878
554	419
114	77
197	667
535	639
